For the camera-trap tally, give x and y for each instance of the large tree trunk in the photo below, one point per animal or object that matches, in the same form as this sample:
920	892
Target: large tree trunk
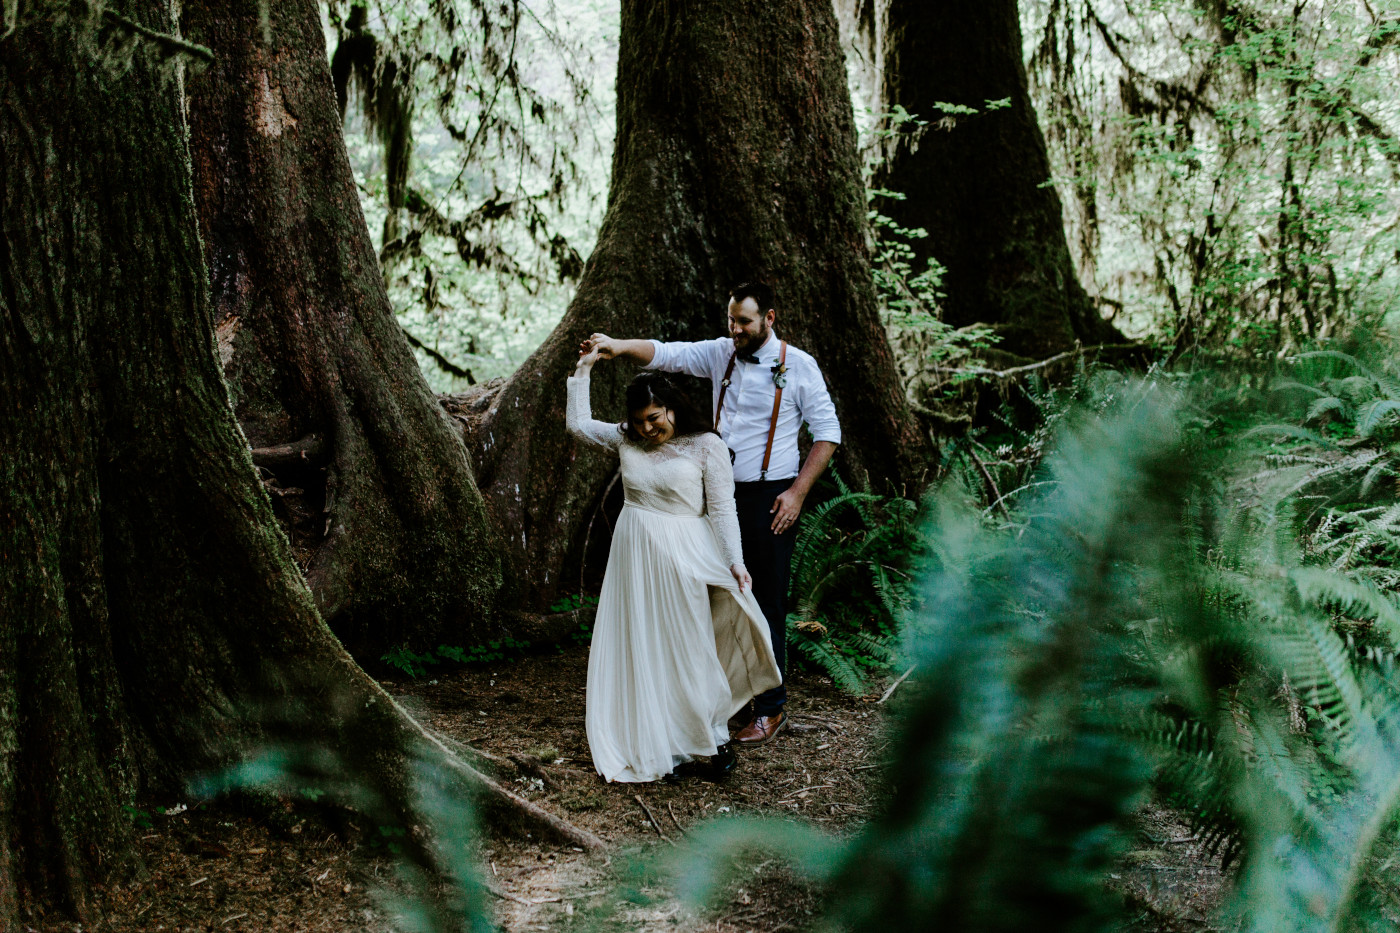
979	183
383	508
735	158
152	621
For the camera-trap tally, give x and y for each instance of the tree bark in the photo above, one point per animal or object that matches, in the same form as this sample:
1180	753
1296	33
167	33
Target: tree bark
394	536
979	184
152	621
735	158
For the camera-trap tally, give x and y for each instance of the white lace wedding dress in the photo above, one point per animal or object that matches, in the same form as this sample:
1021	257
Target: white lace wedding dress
677	648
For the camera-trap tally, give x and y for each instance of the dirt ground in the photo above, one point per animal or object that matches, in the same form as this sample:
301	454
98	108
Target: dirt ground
216	867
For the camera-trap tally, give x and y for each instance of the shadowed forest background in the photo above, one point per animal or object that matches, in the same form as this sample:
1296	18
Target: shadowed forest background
1095	615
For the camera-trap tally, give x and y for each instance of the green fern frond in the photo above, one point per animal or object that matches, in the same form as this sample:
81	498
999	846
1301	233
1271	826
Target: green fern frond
1359	599
1379	469
1324	405
1374	413
1295	385
840	668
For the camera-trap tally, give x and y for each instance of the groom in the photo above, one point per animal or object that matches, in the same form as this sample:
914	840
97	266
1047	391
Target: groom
763	391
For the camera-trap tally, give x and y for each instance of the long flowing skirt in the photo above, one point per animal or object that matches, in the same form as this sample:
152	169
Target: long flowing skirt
677	648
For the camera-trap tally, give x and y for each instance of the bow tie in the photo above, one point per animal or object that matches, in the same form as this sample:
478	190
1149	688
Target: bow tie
748	358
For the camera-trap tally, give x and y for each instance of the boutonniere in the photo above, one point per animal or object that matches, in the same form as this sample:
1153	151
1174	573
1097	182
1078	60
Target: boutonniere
780	375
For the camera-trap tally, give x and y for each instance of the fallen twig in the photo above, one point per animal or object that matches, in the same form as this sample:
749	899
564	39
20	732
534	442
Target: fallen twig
673	818
309	450
821	719
890	692
1031	367
651	816
527	901
991	483
798	793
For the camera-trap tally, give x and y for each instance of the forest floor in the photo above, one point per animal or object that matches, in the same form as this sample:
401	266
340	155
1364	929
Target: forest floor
216	867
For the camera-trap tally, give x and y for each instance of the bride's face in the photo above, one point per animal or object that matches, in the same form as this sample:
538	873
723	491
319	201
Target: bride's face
655	424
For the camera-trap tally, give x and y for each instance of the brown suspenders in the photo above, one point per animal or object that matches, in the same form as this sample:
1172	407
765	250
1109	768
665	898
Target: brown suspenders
777	400
724	386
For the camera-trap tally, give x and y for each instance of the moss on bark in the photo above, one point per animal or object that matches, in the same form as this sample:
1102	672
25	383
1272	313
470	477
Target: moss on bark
153	623
394	535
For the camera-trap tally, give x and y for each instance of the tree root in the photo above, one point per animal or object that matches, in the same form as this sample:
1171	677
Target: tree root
507	807
503	807
535	768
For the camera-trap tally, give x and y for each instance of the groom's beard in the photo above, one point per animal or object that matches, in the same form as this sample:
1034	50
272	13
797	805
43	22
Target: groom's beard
751	344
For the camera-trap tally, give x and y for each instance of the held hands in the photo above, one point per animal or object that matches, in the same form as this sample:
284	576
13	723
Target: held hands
586	360
786	508
601	345
741	577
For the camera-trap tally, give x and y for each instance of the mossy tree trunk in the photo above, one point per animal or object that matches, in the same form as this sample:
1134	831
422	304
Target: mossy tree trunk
152	620
368	473
979	184
735	158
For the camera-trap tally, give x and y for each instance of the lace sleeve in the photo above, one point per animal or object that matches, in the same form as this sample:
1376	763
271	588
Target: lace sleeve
719	498
580	418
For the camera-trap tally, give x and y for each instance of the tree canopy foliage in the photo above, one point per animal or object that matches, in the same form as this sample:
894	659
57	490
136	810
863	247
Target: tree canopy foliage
1229	168
480	133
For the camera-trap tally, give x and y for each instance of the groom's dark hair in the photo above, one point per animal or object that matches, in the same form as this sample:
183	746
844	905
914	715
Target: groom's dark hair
761	294
650	388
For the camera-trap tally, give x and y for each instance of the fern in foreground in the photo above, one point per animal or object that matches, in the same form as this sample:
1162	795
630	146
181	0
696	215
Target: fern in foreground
1154	619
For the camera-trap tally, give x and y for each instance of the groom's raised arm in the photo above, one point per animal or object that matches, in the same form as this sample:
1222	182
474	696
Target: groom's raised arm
703	358
695	359
611	348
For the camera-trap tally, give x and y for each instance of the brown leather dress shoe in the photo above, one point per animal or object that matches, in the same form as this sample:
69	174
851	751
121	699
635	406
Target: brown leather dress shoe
762	730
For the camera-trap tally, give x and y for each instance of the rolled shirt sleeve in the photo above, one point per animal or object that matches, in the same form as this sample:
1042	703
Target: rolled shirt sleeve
815	405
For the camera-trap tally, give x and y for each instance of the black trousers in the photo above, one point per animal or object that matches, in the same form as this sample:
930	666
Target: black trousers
768	558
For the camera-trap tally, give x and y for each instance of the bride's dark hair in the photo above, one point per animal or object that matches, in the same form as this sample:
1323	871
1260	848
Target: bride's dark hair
653	388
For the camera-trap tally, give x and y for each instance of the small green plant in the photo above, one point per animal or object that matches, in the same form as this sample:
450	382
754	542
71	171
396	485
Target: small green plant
139	818
388	838
412	663
573	602
416	664
497	649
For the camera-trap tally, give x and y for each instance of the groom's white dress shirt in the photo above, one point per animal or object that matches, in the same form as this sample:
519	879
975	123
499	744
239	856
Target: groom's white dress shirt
748	405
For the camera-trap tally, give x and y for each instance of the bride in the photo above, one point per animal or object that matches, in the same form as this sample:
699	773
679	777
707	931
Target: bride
679	643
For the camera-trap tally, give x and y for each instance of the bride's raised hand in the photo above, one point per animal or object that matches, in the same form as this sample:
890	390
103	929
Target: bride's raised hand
741	577
585	361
